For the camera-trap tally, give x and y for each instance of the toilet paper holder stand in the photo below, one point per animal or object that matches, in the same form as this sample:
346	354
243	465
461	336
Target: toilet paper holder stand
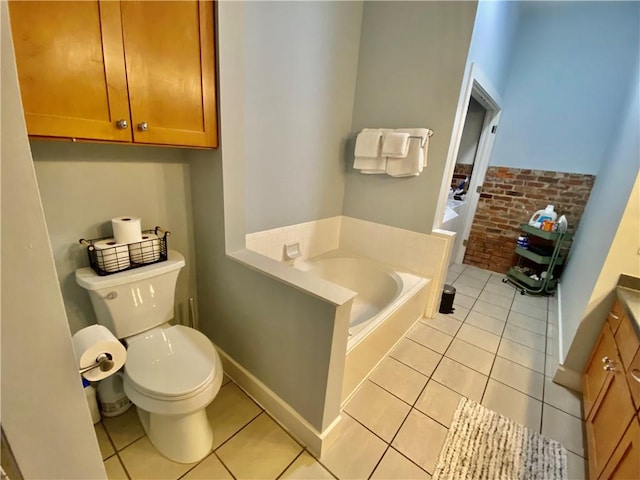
103	362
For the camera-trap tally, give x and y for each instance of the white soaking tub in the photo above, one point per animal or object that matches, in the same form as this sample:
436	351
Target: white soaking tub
381	289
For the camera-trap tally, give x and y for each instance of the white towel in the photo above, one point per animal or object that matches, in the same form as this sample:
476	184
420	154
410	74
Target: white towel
395	144
370	164
368	143
416	159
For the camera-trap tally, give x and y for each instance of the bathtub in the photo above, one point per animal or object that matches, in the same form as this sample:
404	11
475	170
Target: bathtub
381	289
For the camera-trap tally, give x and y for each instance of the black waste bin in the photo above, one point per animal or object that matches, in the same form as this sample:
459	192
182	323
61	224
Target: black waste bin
446	303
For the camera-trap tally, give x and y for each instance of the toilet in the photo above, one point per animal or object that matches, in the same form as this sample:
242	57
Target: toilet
172	372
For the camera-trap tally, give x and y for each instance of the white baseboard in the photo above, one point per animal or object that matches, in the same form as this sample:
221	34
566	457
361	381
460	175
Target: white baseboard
561	355
282	412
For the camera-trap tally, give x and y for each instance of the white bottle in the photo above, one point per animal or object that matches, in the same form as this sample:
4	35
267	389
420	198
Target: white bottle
90	393
542	215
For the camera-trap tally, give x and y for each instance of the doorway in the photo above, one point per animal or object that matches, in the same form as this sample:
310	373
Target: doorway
477	124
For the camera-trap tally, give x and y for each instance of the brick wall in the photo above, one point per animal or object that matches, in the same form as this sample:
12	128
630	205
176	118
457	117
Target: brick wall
509	197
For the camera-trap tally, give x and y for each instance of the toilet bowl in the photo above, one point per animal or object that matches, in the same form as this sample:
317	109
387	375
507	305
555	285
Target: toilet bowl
172	372
171	375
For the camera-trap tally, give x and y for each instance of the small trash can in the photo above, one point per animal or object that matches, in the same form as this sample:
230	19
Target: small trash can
446	303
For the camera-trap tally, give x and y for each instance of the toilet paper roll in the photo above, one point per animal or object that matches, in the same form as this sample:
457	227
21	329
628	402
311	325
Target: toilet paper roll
146	251
126	229
111	256
93	341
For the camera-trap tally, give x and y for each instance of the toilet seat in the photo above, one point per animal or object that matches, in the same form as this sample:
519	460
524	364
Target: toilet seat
171	364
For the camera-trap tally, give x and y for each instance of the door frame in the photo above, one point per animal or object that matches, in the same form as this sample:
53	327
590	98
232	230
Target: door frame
481	89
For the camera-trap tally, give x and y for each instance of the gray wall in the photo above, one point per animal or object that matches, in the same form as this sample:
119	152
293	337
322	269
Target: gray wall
300	63
44	412
410	71
84	185
598	227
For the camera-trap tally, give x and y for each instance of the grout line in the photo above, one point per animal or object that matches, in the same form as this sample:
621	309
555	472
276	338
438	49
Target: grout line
290	463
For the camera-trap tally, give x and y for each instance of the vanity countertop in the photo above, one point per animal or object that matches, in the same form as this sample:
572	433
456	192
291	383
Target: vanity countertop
628	291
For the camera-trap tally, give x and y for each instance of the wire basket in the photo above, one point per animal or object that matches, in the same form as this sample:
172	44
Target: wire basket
105	259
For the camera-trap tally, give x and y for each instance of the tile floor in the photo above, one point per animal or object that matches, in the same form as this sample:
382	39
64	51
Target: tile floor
492	349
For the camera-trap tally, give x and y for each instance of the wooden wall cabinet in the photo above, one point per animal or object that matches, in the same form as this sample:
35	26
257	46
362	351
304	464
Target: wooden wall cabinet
610	407
131	71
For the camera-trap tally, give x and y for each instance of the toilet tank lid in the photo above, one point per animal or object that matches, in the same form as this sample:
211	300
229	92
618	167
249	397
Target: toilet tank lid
89	279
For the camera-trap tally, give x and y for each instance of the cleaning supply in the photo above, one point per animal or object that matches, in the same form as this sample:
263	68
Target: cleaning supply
542	215
90	393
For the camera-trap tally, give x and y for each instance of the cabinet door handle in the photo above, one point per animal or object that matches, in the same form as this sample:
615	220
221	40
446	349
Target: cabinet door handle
143	126
606	360
635	373
615	317
122	124
609	368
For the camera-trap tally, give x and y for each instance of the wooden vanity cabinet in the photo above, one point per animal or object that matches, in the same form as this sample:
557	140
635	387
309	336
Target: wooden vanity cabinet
611	410
131	71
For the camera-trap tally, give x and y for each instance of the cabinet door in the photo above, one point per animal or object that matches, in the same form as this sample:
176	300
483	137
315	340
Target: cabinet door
633	379
627	341
595	374
625	461
609	418
169	54
71	68
615	315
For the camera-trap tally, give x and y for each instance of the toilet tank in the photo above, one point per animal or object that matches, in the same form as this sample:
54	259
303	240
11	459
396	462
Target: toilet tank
135	300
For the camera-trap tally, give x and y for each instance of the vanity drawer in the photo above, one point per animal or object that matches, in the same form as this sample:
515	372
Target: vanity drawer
627	341
614	317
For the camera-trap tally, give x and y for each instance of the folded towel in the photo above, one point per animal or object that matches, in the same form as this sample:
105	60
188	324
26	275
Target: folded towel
368	143
416	159
395	144
370	164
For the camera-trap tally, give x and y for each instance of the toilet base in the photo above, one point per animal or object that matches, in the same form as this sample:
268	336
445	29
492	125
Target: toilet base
181	438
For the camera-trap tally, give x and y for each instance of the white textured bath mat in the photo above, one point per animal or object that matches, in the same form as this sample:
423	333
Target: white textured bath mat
482	444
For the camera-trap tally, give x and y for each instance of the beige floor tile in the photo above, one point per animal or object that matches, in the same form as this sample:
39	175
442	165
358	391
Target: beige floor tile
469	281
551	364
496	279
478	337
450	278
460	378
495	299
420	439
529	310
516	376
528	323
538	302
378	410
114	469
522	355
485	322
225	380
438	402
123	429
106	449
461	300
500	289
480	273
513	404
444	323
577	467
395	466
306	468
470	355
262	449
416	356
562	398
143	461
355	452
210	468
491	310
564	428
402	381
525	337
456	268
430	337
459	313
467	290
231	410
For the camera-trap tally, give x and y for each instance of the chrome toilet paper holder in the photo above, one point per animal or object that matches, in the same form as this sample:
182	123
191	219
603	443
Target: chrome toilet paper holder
103	362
